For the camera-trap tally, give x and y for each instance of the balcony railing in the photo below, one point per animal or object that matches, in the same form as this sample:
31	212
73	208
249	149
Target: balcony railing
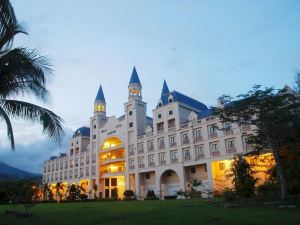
131	153
184	125
151	164
142	166
215	153
132	167
185	141
187	157
201	156
229	132
163	162
198	139
162	146
140	151
160	131
231	150
246	128
150	148
174	160
213	135
121	169
141	136
171	128
173	144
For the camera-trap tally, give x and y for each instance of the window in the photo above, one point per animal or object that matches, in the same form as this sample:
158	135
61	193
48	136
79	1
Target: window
141	162
87	159
171	124
159	105
93	158
230	144
70	173
95	126
170	100
131	149
214	147
185	138
140	147
199	152
151	160
173	156
56	168
106	181
150	146
61	165
159	116
130	113
131	164
147	176
161	143
131	124
93	170
212	131
66	164
81	172
162	158
76	162
114	182
172	140
87	171
160	127
170	112
198	135
186	154
193	169
221	166
66	175
94	136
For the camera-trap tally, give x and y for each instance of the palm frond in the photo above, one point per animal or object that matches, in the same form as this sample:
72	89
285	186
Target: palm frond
9	26
23	71
52	124
10	133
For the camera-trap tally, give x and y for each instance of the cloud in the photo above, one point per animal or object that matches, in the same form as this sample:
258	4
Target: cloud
31	156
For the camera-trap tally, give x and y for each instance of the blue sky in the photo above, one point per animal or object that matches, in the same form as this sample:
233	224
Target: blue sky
203	48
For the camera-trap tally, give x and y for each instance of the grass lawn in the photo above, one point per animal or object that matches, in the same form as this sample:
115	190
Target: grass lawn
175	212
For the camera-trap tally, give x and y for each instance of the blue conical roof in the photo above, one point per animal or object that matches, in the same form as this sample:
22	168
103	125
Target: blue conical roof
134	79
165	89
100	95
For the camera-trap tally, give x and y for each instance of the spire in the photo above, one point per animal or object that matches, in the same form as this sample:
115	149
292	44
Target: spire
165	89
134	77
100	95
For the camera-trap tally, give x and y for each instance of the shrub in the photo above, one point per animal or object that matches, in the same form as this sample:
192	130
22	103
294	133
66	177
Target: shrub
267	190
228	194
83	196
128	194
195	194
151	195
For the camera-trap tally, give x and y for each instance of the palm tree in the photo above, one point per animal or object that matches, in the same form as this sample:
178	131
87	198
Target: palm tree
23	72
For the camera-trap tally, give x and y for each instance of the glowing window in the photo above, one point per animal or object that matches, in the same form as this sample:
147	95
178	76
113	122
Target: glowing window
134	91
103	108
98	108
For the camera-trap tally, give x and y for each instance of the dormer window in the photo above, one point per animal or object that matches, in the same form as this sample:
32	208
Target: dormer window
170	99
159	105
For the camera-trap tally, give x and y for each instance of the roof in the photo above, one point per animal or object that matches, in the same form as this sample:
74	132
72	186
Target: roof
185	100
82	131
205	113
53	157
165	89
134	79
100	95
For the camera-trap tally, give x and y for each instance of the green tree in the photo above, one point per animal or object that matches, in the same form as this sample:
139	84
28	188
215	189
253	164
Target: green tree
275	114
242	176
23	72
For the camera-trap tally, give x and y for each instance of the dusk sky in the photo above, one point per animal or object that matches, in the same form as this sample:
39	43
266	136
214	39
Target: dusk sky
202	48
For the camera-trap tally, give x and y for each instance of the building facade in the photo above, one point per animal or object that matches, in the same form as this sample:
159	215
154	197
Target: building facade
181	142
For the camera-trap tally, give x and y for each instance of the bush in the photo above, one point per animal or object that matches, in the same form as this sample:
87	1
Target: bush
195	194
228	195
267	190
151	195
83	197
128	194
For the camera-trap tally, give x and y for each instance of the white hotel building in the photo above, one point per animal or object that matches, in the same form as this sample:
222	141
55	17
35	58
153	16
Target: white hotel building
164	153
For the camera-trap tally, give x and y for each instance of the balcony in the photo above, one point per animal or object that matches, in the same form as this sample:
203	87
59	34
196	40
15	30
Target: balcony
174	160
132	167
150	148
246	128
231	150
160	131
163	162
215	153
162	146
151	164
198	139
184	125
171	128
201	156
187	158
112	171
131	153
173	144
228	132
185	141
142	166
213	135
112	159
140	151
140	136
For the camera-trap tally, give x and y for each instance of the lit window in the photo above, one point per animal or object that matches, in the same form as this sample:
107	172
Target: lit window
134	91
221	166
103	108
98	108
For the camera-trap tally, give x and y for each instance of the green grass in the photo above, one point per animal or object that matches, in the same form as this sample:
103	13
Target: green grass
152	213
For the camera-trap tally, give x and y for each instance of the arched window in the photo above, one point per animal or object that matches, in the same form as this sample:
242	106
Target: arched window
98	108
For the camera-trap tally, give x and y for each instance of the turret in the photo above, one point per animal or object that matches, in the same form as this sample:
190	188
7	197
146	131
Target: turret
100	104
134	87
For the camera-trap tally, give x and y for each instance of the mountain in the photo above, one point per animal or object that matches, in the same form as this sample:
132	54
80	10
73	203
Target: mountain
9	172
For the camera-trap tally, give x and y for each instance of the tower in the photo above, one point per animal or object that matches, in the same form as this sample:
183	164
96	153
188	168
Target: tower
100	104
165	89
134	87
